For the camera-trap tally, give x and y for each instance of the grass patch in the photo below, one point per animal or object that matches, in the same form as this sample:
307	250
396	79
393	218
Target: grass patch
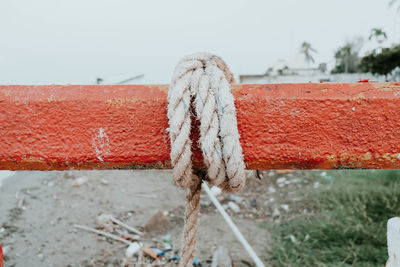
349	228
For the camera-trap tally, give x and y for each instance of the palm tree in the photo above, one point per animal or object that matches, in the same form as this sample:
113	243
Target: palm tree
347	58
378	34
344	56
307	50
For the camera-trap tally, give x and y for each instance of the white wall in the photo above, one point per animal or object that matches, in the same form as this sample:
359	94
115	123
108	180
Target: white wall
337	78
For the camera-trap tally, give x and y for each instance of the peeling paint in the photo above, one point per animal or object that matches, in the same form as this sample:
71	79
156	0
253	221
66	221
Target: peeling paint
101	144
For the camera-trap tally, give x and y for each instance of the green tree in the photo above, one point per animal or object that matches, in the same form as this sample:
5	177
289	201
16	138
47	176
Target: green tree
308	50
347	58
378	34
381	63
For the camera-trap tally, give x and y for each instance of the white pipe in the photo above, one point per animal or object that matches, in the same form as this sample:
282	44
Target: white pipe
235	230
393	241
130	228
115	237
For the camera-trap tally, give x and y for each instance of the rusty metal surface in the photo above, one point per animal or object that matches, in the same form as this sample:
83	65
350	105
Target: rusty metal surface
295	126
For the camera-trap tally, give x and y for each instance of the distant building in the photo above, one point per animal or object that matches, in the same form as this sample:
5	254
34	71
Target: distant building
301	71
298	66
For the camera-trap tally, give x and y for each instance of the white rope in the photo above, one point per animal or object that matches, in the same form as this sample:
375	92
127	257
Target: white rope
202	78
202	81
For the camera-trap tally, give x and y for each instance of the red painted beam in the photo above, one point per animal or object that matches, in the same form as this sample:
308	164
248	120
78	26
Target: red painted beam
296	126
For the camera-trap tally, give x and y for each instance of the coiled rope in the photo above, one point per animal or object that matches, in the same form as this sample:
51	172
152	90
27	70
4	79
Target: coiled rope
200	87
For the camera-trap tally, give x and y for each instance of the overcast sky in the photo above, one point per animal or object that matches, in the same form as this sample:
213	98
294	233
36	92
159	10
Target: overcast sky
75	41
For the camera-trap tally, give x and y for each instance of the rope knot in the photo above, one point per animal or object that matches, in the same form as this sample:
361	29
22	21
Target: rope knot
201	84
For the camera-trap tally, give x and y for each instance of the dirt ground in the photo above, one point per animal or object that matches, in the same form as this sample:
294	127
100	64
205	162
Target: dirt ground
38	211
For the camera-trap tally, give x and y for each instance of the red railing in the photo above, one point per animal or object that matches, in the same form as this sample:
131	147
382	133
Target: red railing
290	126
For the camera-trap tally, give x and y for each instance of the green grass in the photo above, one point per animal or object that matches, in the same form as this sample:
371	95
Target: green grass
349	225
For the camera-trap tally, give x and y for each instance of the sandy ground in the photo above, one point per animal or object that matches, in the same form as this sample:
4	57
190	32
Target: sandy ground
38	211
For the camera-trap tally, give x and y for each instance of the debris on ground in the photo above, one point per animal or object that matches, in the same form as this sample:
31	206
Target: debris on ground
103	233
133	248
233	206
104	223
159	222
236	198
143	219
148	252
79	181
110	223
221	258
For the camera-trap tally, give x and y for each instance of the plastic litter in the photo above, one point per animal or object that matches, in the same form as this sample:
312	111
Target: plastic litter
175	257
233	206
167	239
149	252
159	252
167	247
133	249
236	198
